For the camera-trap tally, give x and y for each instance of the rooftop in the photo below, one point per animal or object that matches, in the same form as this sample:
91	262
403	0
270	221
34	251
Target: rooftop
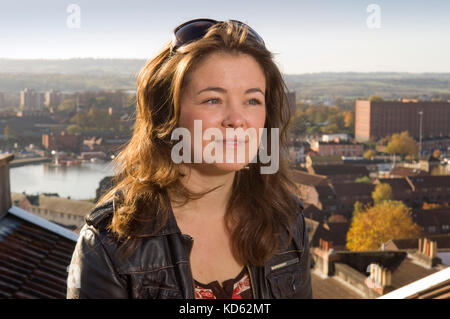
340	169
34	256
55	203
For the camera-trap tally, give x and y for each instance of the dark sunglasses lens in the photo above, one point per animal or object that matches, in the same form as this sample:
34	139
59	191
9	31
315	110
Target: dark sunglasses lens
192	31
251	32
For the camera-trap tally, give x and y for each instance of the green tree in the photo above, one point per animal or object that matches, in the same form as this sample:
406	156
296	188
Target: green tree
364	179
68	104
74	129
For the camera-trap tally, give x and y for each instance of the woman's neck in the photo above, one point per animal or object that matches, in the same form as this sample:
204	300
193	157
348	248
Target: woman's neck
212	204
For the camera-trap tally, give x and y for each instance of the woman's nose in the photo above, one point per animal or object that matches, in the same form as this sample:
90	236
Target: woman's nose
233	117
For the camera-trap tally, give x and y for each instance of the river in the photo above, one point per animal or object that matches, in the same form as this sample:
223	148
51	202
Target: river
78	181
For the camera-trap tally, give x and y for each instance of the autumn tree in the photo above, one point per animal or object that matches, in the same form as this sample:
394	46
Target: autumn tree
401	143
369	154
358	207
380	223
381	193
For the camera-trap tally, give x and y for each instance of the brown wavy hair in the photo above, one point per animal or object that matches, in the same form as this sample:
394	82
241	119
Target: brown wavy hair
261	206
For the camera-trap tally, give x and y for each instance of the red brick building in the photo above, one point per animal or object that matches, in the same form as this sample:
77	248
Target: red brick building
61	142
338	148
377	119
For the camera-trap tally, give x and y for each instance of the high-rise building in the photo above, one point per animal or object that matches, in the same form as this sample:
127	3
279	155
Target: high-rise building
31	100
52	98
378	119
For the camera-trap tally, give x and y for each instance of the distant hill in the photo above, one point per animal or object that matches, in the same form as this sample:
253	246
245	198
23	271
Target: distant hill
90	66
71	75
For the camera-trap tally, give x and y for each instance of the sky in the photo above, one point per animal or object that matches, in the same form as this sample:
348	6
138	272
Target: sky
305	36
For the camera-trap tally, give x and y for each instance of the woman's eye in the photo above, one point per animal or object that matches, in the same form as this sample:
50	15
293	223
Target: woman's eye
212	101
254	102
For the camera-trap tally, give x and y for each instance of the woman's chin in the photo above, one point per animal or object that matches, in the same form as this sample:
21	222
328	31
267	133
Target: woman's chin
220	168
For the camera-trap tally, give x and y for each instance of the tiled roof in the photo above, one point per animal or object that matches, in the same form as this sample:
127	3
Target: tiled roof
428	181
407	171
346	189
324	191
331	288
340	169
442	241
397	184
432	217
408	272
33	257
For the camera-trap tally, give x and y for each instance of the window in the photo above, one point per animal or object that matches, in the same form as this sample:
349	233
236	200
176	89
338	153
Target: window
431	229
446	227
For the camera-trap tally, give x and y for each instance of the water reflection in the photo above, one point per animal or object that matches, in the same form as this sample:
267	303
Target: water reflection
77	181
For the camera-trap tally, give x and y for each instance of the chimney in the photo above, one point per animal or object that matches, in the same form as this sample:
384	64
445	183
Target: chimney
325	245
323	253
427	252
379	278
5	189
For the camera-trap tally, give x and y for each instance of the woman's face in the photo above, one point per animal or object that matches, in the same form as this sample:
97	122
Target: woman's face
225	92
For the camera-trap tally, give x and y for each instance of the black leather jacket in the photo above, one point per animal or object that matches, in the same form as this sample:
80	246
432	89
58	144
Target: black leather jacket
159	267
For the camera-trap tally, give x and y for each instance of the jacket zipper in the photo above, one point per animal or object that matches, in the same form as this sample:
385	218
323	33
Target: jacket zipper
251	281
285	264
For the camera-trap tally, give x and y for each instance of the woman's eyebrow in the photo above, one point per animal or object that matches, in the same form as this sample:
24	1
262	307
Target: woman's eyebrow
222	90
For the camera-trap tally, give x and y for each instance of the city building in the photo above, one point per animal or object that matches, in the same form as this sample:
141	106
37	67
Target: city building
338	137
63	211
61	142
31	100
340	148
378	119
414	191
52	98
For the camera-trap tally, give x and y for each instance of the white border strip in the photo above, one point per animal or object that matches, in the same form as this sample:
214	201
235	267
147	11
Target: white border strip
41	222
419	285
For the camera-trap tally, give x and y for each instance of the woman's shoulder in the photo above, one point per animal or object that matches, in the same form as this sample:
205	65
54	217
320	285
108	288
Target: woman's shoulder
100	216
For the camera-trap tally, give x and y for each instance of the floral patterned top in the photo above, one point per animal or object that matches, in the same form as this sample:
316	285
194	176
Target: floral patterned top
237	288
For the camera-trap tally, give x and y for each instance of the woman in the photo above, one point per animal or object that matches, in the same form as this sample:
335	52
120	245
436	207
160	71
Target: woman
182	222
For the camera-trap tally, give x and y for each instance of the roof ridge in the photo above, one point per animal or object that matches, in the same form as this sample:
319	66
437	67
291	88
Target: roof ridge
42	222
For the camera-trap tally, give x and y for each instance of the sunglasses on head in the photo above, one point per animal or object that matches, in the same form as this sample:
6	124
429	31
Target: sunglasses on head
195	29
